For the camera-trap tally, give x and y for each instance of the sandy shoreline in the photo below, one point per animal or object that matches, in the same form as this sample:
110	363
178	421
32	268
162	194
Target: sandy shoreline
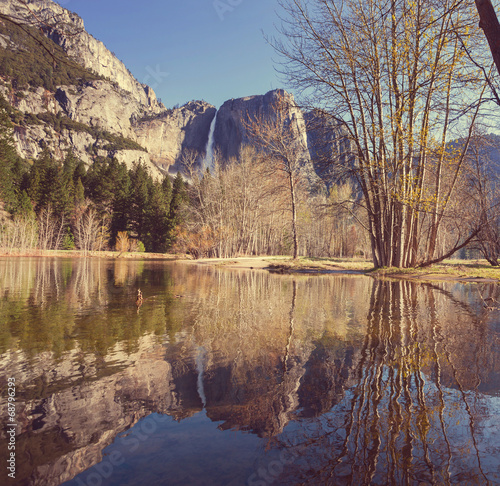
249	263
282	265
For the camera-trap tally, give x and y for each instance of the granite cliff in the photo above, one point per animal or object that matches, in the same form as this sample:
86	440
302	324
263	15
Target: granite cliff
108	102
82	98
233	116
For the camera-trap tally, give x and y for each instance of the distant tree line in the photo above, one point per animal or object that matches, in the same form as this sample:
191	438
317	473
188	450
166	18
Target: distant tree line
239	207
62	204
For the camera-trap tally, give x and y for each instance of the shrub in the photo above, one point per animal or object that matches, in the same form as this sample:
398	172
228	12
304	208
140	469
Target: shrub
122	241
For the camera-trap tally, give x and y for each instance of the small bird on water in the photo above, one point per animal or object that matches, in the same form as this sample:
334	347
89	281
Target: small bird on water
139	300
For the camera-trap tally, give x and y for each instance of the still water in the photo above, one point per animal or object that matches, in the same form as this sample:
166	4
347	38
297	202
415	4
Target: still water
234	377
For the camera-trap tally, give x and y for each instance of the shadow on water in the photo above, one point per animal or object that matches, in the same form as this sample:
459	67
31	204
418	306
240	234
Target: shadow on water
240	377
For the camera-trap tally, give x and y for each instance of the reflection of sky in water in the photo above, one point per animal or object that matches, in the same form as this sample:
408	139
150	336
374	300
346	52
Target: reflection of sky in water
227	377
196	451
192	452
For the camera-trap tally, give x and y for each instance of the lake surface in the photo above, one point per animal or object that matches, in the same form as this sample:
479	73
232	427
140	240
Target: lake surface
234	377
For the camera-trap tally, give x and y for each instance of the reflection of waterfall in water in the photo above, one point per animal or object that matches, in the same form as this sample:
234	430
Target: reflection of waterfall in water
208	161
200	359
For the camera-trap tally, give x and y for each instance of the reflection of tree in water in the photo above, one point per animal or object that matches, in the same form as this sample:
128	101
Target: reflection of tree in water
400	423
52	304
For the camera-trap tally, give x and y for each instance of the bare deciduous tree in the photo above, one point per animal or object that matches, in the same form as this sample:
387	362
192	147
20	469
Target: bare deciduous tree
19	234
50	230
284	152
122	241
396	73
91	232
485	194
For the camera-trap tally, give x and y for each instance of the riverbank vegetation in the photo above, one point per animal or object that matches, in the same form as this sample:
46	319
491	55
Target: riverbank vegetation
403	79
414	185
51	204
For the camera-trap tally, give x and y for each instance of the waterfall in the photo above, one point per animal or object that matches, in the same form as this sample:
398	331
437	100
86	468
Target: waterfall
208	161
200	359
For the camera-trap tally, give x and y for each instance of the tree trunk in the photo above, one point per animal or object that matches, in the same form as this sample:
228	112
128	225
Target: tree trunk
491	28
294	219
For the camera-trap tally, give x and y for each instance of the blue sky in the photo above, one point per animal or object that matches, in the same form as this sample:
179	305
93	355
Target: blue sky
189	49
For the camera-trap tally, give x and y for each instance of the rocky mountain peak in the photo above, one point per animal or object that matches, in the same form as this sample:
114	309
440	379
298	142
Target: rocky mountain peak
67	30
100	100
230	129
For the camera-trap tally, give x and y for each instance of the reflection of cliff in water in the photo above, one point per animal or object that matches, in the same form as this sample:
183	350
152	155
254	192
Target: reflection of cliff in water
375	375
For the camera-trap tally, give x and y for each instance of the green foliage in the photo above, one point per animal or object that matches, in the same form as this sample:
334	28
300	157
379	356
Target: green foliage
24	208
108	141
155	116
37	61
48	185
140	197
131	200
68	240
61	122
179	197
11	165
79	192
117	142
106	185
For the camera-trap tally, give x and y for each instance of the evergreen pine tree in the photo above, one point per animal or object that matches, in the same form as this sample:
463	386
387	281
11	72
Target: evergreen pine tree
11	167
79	192
141	188
175	216
158	219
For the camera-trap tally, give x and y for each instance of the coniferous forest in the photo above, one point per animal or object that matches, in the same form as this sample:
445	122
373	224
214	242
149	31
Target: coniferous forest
61	204
417	185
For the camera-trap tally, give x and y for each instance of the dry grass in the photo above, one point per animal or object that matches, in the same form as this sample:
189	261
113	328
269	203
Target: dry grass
446	270
315	265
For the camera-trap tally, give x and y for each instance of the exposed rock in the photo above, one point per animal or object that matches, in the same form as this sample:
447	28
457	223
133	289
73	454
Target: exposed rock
67	30
100	104
122	106
230	130
79	142
36	101
167	136
328	143
81	419
31	141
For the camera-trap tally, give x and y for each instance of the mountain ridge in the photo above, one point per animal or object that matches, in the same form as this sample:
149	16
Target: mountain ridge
63	107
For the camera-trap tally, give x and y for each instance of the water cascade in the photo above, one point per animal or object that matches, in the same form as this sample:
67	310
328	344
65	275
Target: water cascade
200	359
208	161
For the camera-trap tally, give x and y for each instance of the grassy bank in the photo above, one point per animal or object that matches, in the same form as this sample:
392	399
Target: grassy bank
466	270
322	265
